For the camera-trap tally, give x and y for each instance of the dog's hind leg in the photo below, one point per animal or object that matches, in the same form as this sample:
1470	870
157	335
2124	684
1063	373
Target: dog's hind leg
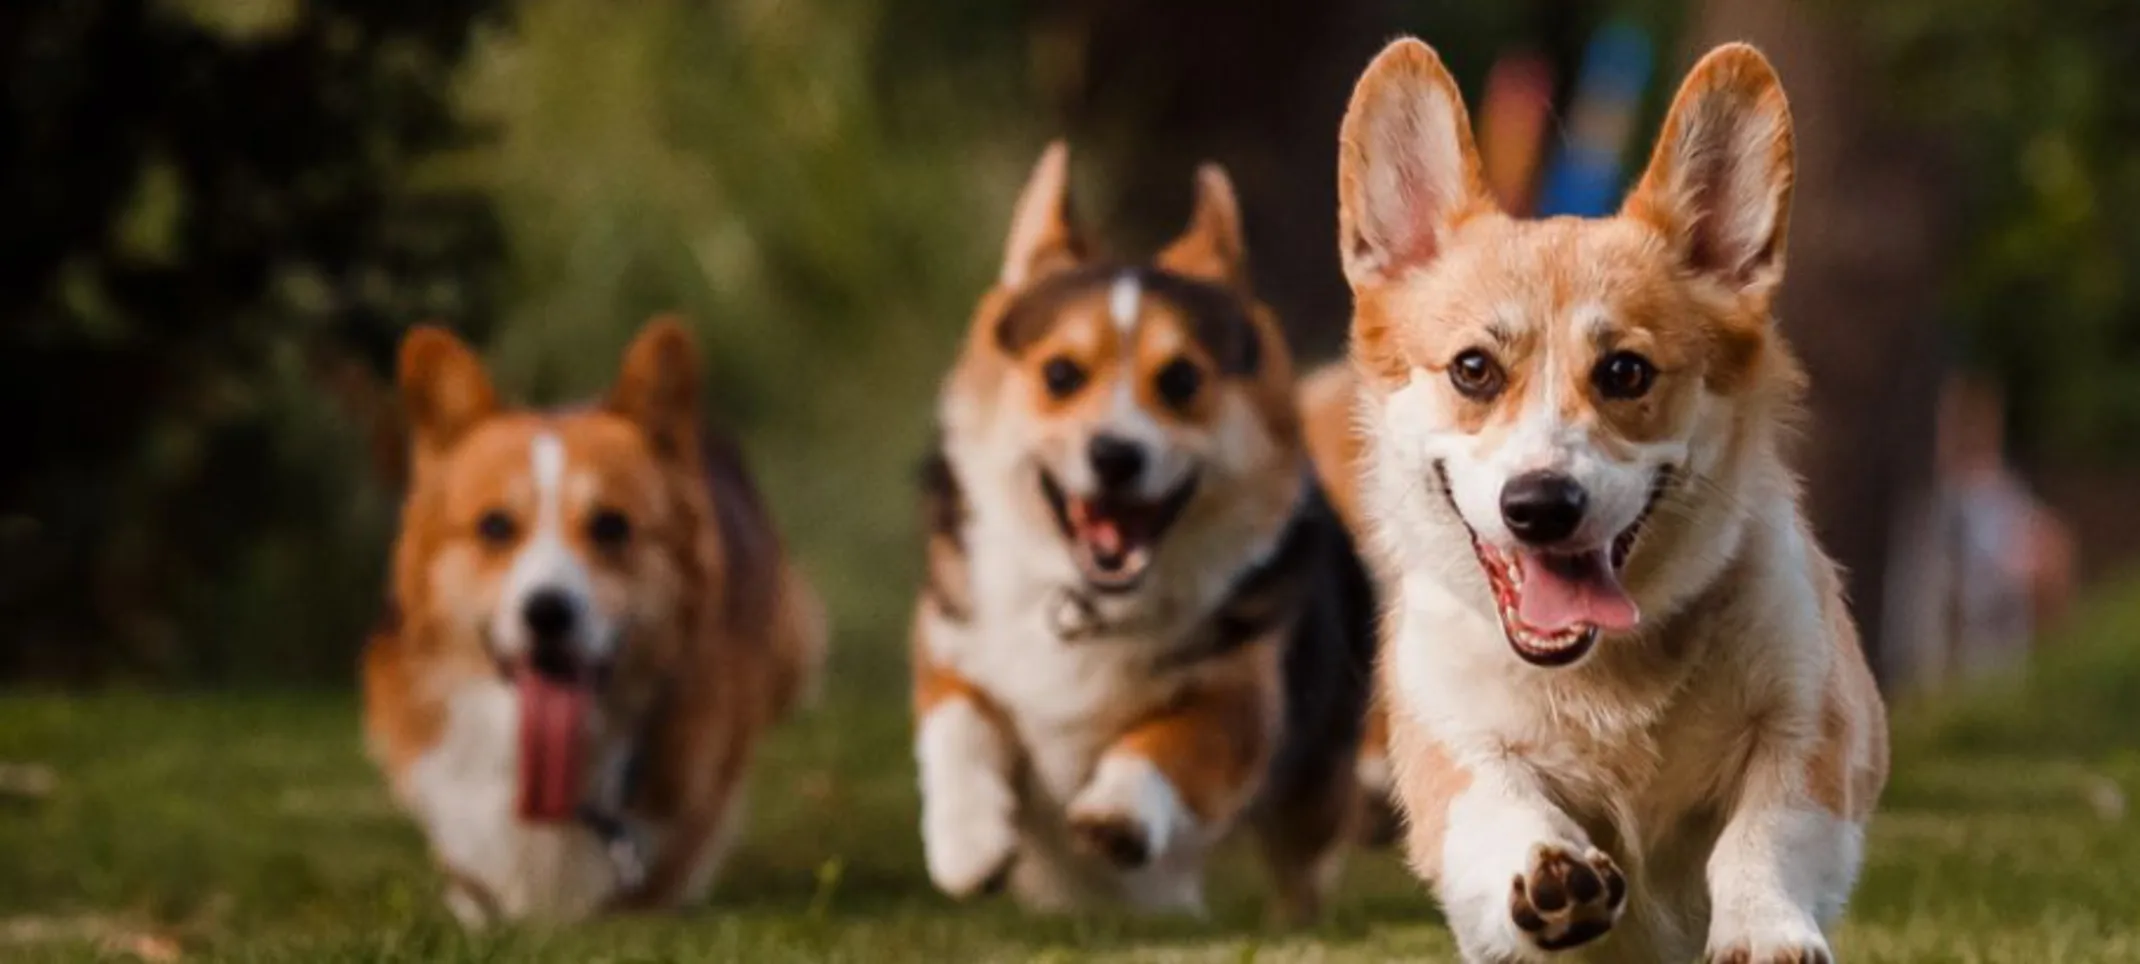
1303	832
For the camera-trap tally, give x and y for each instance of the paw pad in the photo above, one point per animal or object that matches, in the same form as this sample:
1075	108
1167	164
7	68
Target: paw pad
1566	901
1116	838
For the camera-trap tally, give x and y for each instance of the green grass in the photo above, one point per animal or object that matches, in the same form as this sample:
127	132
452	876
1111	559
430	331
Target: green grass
248	827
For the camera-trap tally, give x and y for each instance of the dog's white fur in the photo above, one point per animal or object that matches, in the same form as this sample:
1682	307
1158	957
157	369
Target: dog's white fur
1679	754
463	793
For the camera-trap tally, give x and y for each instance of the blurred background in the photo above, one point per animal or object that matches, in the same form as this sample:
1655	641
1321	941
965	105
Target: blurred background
219	215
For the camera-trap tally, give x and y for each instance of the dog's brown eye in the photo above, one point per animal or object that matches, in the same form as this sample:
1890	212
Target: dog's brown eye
1062	376
1178	382
1476	374
609	529
497	528
1623	374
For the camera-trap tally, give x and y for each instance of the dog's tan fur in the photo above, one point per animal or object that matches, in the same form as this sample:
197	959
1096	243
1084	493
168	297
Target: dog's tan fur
1701	782
718	635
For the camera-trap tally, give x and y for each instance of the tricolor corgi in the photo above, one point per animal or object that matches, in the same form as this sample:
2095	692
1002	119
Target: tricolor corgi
591	626
1629	717
1142	624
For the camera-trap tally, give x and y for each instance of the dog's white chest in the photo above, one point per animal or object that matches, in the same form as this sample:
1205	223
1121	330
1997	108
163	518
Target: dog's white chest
1070	686
464	791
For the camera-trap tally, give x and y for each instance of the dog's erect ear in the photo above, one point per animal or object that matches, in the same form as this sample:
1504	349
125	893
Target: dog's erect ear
1211	247
1719	184
1044	234
1408	171
444	389
657	388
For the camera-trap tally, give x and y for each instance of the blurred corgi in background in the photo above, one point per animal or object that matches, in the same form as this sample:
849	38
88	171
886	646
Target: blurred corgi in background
1629	717
591	626
1142	623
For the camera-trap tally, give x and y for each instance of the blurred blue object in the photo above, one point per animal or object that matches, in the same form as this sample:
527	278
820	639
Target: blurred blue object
1584	178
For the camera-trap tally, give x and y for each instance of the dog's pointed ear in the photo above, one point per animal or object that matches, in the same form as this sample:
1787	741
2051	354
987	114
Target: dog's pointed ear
444	389
1044	235
1408	170
1211	247
1719	184
657	388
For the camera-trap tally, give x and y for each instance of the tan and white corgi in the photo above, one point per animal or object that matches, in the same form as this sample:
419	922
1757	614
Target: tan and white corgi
591	626
1142	624
1629	716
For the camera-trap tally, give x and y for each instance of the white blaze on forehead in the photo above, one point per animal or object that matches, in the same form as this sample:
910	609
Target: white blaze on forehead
546	455
1125	300
546	560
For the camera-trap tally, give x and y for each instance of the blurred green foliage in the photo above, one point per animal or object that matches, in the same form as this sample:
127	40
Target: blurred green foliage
208	218
2038	105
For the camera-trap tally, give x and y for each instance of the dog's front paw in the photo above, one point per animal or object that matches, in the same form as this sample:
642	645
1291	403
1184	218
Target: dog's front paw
1813	953
1785	941
1129	814
1116	838
968	853
1565	900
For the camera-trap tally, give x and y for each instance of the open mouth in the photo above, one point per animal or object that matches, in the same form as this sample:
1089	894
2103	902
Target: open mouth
555	716
1555	603
1113	538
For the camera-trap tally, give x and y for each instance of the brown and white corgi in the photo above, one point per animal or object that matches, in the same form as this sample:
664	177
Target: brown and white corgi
1142	624
1629	716
591	626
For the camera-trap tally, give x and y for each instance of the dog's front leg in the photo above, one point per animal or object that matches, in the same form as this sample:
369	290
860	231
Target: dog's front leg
1176	780
967	761
1780	867
1517	878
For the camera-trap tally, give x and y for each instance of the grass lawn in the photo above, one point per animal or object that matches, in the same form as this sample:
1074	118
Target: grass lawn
248	826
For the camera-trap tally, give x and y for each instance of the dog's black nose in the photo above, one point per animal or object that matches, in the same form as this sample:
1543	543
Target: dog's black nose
1542	508
1116	461
549	615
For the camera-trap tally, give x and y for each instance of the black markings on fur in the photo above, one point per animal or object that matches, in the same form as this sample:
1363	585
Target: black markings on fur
943	514
943	504
1264	596
1313	582
752	579
1218	317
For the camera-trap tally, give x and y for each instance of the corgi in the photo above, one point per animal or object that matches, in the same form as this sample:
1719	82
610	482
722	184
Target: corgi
1142	625
1628	715
591	627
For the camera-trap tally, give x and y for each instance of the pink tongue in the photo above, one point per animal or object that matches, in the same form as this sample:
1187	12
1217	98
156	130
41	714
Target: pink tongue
553	718
1567	593
1102	533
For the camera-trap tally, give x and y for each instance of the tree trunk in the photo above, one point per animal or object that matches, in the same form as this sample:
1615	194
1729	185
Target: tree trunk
1148	91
